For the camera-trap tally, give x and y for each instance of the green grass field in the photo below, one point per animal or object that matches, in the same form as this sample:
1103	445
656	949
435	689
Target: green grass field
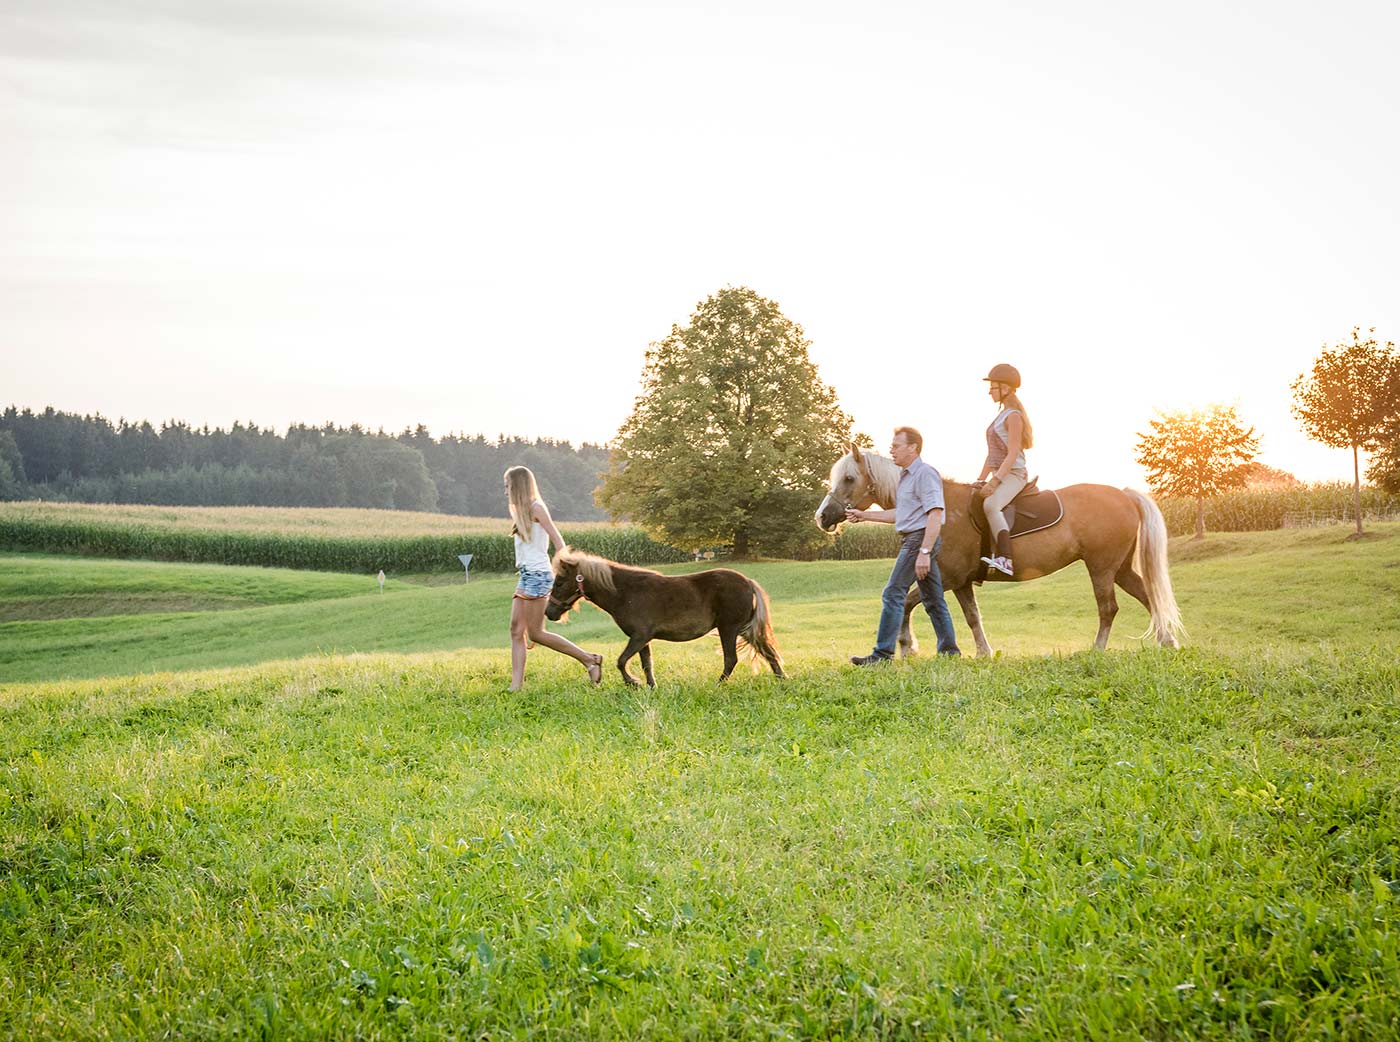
353	831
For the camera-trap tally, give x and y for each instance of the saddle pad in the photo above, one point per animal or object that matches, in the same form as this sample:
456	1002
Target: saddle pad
1028	512
1033	511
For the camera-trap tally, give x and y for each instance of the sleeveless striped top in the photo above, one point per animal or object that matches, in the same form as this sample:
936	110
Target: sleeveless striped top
996	444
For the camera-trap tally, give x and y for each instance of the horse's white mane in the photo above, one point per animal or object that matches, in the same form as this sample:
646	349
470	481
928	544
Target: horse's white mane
883	471
593	568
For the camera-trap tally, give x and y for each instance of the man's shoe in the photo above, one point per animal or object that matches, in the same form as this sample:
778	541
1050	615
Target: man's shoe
872	659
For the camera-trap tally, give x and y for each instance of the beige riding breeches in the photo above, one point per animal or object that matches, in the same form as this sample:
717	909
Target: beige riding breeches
995	503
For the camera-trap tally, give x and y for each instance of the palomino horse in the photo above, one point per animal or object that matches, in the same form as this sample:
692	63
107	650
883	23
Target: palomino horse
1119	534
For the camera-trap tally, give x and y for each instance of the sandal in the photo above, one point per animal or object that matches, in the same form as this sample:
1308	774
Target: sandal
595	670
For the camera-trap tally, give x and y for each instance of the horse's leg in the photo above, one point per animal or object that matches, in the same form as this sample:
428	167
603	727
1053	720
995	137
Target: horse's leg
729	641
1132	584
967	597
645	655
634	645
1102	578
908	643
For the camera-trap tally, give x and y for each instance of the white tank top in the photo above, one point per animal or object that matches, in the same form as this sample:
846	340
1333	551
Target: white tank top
533	554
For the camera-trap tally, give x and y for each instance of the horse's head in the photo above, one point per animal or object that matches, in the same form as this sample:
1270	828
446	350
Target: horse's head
575	575
851	486
567	589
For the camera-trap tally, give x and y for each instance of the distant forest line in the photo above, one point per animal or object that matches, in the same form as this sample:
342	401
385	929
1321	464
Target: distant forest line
62	456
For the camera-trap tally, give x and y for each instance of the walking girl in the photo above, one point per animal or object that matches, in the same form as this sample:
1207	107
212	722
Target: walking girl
1008	437
533	529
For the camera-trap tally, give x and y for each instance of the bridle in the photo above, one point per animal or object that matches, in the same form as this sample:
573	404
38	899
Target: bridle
842	504
569	604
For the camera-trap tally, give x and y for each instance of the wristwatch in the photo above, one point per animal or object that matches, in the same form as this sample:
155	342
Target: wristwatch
925	550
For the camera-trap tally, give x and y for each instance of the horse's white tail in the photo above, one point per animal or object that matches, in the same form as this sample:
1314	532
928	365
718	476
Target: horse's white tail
758	634
1150	562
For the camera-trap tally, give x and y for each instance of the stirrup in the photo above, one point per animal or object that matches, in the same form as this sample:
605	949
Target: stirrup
1001	564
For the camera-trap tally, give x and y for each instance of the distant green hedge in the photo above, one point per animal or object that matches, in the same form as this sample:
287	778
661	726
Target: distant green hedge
394	554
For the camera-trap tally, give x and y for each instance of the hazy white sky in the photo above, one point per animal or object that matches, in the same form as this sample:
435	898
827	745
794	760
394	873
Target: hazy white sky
477	215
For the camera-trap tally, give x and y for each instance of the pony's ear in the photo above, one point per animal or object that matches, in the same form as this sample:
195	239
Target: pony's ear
860	463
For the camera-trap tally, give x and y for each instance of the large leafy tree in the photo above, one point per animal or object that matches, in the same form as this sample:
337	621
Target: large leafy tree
1349	399
733	435
1197	454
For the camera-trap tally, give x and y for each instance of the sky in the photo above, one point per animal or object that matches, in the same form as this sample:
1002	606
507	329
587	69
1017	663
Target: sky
477	216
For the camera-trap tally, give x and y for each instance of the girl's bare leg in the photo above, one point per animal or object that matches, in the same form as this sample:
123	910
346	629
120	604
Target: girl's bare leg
534	629
519	634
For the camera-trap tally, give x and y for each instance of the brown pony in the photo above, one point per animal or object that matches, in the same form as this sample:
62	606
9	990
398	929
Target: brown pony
1119	534
647	605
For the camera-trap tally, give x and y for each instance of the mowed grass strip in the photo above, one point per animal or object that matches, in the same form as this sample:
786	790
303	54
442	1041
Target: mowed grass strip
1298	588
41	586
1165	845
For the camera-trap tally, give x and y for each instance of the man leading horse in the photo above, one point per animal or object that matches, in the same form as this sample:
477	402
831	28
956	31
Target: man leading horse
1119	534
917	518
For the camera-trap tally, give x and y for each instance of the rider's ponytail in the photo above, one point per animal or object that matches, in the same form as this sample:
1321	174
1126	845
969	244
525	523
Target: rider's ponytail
1013	401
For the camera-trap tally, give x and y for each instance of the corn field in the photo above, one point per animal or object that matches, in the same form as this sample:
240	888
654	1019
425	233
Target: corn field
351	522
302	541
1256	510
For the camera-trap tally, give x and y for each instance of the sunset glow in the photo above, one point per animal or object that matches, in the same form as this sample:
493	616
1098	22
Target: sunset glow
477	217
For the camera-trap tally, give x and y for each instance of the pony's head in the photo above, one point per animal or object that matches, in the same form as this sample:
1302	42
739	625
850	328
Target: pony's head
858	479
574	573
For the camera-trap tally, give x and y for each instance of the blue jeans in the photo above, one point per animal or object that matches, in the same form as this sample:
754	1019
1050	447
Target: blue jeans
930	589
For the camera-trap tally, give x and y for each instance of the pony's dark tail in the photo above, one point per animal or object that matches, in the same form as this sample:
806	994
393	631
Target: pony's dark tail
758	634
1152	566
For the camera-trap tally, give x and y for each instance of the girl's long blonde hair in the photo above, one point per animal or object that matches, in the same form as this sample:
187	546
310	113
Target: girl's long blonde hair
1013	401
521	492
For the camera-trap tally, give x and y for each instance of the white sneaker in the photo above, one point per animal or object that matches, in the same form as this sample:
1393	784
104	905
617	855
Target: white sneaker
1001	564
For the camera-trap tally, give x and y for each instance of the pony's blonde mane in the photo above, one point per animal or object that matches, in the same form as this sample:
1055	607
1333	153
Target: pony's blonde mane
883	470
594	569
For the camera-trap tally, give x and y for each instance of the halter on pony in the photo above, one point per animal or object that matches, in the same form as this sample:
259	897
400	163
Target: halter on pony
568	605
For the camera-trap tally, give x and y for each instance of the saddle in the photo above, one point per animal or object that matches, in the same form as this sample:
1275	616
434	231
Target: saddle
1032	510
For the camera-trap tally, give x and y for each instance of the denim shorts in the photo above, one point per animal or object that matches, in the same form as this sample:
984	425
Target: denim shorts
534	583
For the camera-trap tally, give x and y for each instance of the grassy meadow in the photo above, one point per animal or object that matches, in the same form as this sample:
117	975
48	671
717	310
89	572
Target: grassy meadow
243	801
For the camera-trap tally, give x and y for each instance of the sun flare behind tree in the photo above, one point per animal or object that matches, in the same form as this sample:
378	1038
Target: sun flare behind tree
1197	454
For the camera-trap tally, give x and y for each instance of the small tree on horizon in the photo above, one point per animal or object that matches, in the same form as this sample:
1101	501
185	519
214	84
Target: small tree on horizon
1347	399
1384	468
733	433
1261	475
1197	455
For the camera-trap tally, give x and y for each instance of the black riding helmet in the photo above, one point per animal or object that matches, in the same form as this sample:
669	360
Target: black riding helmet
1004	374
